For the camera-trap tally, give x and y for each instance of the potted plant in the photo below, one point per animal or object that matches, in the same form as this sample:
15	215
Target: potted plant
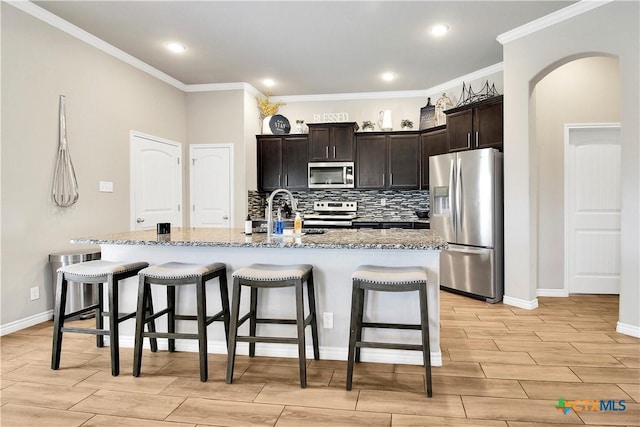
367	126
406	124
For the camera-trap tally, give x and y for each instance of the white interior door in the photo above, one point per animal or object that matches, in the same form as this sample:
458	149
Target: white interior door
211	185
156	182
592	208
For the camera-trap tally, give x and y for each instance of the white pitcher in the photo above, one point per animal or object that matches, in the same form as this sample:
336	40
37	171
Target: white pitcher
385	122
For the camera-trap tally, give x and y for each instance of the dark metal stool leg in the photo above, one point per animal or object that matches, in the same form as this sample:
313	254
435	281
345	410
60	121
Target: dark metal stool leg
171	315
114	335
233	329
201	304
253	311
426	350
302	357
58	321
353	333
314	317
360	311
224	295
99	310
151	324
143	291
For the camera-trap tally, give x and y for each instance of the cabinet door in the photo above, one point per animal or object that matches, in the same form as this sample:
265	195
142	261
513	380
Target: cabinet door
269	163
487	123
459	127
404	162
319	143
295	161
371	157
342	140
433	143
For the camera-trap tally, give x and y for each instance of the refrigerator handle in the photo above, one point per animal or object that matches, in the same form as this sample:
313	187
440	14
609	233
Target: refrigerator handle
459	206
452	203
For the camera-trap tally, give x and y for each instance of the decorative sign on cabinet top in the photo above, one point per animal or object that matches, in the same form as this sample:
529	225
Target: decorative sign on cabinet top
331	117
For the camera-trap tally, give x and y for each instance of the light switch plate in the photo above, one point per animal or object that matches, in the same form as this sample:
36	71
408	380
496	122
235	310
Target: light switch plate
106	186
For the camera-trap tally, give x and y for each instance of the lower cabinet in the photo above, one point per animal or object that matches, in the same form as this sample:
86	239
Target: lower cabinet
388	161
282	162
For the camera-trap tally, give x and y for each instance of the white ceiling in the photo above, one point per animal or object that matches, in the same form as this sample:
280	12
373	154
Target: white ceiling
309	47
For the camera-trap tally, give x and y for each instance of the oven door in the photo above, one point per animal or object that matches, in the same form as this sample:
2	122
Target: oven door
331	175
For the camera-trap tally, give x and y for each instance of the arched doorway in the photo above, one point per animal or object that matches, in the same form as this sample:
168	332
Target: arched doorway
584	90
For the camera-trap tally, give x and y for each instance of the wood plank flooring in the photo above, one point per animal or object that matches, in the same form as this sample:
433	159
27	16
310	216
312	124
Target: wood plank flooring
503	366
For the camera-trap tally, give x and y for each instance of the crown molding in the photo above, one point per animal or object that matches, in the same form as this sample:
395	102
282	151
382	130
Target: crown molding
77	32
215	87
550	19
492	69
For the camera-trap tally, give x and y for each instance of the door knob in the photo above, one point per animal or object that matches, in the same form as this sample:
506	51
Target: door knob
225	217
139	220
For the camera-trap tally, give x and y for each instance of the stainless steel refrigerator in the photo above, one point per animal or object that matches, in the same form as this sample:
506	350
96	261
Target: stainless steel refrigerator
467	210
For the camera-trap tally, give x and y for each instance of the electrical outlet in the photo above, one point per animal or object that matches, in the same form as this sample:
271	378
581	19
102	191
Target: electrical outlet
35	293
383	202
327	320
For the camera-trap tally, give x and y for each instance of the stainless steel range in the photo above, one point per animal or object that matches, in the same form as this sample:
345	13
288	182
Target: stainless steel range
332	214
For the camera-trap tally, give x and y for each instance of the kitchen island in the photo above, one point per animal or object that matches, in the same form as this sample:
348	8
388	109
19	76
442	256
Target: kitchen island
334	255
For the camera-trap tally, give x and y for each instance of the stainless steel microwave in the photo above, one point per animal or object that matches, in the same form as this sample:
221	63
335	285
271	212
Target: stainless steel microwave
331	175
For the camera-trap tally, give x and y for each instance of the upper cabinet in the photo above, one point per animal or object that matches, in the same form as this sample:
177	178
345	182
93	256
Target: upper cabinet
388	160
433	142
477	125
330	142
282	162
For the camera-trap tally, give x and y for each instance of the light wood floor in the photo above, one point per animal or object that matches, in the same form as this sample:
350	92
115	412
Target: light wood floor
503	366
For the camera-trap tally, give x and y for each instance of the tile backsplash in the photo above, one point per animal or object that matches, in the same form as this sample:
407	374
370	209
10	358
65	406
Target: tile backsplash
399	203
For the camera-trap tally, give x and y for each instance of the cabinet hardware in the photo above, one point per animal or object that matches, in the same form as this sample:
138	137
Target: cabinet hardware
139	220
468	139
326	150
477	139
390	179
334	151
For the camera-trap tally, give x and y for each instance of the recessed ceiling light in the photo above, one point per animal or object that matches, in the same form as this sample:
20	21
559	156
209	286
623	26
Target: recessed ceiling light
439	30
388	76
269	82
176	47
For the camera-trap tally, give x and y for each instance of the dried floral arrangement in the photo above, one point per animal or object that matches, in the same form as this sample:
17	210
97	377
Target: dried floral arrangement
267	108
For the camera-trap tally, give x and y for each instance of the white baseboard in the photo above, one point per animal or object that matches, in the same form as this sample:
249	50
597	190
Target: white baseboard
26	322
376	355
520	303
626	329
552	293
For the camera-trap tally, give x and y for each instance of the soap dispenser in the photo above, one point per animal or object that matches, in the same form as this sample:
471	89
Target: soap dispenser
297	225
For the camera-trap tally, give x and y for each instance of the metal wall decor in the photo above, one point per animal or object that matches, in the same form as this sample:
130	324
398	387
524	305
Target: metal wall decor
468	96
65	184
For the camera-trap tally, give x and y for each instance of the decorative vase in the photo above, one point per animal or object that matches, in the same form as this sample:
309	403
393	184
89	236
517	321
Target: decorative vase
266	130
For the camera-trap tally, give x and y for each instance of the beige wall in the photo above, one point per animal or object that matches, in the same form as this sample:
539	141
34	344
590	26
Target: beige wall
526	61
582	91
106	99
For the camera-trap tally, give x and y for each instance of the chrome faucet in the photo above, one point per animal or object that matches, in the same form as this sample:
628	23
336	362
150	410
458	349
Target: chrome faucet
294	207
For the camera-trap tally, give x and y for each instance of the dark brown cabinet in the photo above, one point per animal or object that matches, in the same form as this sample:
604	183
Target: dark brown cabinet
282	162
388	160
478	125
433	142
331	141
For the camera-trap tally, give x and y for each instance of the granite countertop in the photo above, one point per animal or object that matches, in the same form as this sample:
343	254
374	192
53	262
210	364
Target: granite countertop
330	239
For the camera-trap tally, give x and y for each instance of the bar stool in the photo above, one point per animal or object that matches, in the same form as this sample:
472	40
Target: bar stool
97	273
258	276
174	274
388	279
